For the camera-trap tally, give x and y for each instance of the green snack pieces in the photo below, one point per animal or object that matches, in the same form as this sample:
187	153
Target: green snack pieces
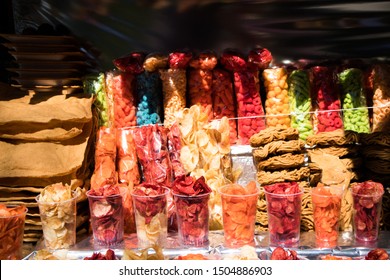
355	112
300	102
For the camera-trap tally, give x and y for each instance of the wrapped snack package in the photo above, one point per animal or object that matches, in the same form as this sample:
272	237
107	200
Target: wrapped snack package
151	217
57	208
128	209
300	102
191	197
284	202
149	93
381	98
121	86
174	85
355	112
105	155
127	161
11	231
174	147
105	206
200	81
131	63
367	209
224	101
325	100
96	85
250	111
277	102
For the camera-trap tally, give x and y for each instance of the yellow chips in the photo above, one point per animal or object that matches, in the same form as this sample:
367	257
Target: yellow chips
206	152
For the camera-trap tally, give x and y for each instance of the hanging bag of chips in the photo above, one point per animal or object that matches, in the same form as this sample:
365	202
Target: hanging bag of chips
200	79
381	98
326	103
127	163
224	100
174	85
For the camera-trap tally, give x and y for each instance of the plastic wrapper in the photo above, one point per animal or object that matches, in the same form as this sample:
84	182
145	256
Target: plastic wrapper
224	100
96	85
300	102
155	61
131	63
11	231
121	86
277	102
174	147
127	162
200	81
355	112
128	210
381	98
149	93
327	116
250	111
105	157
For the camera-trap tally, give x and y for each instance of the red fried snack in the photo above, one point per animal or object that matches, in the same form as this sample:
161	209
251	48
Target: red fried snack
281	254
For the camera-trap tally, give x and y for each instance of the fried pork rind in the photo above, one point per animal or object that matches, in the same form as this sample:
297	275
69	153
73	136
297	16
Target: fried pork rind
337	137
272	134
266	178
57	207
278	147
284	161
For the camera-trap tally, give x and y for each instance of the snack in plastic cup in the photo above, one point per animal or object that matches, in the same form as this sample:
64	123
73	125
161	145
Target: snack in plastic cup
284	213
326	214
151	218
192	214
367	207
58	222
106	218
239	213
12	219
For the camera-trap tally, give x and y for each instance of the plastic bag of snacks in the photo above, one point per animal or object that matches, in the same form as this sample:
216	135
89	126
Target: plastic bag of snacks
200	81
277	102
381	98
174	147
247	89
300	102
105	155
121	86
127	163
95	84
355	112
224	101
327	107
174	85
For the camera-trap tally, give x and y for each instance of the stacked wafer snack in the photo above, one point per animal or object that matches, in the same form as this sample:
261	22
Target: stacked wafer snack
376	155
279	157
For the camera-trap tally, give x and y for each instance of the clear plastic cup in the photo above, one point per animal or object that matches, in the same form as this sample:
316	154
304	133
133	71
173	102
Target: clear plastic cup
284	218
192	214
106	218
58	222
326	214
11	234
239	216
151	218
366	215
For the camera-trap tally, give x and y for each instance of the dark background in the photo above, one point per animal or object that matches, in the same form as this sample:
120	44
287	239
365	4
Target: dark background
290	29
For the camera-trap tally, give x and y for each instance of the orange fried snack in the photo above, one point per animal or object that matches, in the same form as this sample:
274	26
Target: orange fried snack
332	258
239	212
326	213
192	257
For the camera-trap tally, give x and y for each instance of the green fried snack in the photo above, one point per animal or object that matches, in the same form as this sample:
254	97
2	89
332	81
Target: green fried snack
355	112
95	84
300	103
